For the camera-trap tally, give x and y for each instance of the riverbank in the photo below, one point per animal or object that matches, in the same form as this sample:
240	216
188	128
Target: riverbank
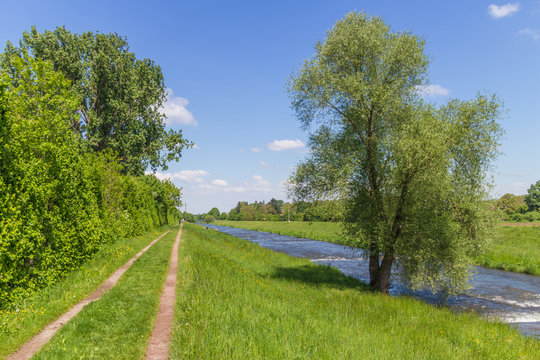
248	302
516	248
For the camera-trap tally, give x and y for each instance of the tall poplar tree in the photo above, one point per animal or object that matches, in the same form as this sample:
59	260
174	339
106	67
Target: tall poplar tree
120	96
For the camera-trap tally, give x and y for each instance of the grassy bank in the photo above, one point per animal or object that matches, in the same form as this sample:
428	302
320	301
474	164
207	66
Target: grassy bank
324	231
514	249
26	318
238	300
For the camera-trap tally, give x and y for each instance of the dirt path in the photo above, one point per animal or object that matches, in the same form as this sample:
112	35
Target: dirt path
158	347
31	347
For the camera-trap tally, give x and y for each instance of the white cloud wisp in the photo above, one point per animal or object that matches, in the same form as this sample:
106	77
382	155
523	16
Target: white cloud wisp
280	145
501	11
534	33
433	90
175	110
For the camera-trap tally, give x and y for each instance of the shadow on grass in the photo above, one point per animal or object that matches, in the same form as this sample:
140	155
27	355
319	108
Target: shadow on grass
319	275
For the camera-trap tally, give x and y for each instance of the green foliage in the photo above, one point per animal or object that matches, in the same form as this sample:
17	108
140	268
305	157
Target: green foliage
57	204
532	199
510	203
278	210
412	175
119	96
214	212
189	217
209	219
48	215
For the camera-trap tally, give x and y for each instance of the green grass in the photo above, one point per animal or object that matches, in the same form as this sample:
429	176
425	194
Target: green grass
324	231
118	326
514	249
238	300
28	317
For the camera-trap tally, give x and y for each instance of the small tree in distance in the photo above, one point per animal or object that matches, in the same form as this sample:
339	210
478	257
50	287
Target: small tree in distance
532	199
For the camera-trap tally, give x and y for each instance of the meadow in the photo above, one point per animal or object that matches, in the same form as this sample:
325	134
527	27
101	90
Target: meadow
238	300
515	248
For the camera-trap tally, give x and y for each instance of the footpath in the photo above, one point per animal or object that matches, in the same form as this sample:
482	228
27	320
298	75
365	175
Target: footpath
158	346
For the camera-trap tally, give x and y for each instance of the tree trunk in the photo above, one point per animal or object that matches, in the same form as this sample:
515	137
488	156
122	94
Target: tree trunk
379	274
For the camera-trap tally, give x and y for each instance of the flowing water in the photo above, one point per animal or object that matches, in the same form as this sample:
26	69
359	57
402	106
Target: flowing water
512	297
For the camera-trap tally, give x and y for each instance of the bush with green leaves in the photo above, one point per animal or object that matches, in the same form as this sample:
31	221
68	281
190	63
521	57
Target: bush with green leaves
58	204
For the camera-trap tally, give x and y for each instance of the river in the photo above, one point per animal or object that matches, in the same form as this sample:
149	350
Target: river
512	297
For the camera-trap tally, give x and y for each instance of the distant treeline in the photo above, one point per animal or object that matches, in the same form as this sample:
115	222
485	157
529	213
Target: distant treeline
278	210
520	207
61	197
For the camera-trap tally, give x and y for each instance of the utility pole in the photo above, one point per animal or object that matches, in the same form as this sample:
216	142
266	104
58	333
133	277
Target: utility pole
185	211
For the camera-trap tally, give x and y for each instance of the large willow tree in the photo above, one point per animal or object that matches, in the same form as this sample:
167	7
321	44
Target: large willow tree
412	175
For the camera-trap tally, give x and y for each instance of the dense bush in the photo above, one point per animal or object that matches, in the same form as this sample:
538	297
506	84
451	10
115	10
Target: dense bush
58	203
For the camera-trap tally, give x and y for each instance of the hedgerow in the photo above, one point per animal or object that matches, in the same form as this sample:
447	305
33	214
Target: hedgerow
58	202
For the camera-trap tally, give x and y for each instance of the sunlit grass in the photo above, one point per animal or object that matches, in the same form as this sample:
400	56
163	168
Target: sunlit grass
238	300
28	317
517	248
118	326
513	249
324	231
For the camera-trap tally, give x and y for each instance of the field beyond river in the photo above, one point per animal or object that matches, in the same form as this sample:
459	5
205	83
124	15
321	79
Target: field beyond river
515	248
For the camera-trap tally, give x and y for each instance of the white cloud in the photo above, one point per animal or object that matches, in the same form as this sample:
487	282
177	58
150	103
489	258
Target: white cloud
498	12
262	163
219	182
191	176
261	181
255	149
160	176
280	145
520	188
175	110
235	189
433	90
188	176
534	33
195	147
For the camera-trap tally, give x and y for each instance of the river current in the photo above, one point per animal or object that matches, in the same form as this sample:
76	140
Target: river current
511	297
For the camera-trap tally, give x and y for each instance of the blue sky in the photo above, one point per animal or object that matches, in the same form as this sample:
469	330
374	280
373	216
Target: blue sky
226	65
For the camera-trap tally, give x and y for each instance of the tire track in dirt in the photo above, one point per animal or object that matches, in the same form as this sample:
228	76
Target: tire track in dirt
28	349
158	346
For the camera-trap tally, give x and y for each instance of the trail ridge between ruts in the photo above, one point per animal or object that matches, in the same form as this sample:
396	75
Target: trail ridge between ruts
158	347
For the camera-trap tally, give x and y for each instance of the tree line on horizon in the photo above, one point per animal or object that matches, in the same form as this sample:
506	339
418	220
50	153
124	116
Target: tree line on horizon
279	210
518	208
510	207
